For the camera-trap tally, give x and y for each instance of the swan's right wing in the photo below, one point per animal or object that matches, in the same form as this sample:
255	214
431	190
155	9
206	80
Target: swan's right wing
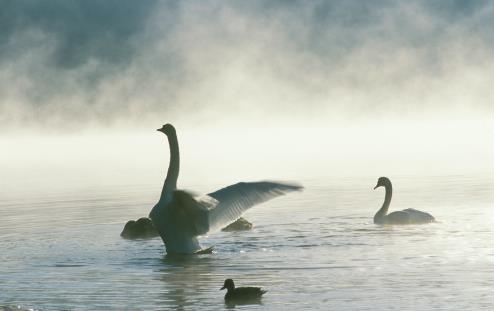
236	199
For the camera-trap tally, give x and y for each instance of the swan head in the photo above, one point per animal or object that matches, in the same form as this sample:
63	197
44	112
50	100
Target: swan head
167	129
228	285
382	182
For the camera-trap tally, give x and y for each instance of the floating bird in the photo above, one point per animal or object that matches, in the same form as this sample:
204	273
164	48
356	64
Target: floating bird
404	217
141	229
181	216
240	224
241	293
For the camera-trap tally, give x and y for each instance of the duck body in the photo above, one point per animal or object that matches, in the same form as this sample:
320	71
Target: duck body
241	293
244	293
408	216
141	229
240	224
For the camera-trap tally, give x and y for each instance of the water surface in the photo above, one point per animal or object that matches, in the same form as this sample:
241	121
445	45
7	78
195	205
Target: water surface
318	249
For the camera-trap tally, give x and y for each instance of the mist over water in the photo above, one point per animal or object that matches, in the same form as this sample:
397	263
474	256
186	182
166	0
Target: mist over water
331	94
84	84
80	64
37	161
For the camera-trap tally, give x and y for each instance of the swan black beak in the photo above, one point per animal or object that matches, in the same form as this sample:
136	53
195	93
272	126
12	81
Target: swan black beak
376	187
222	288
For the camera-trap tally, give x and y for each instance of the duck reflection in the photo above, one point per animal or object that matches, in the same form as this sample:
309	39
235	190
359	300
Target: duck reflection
233	304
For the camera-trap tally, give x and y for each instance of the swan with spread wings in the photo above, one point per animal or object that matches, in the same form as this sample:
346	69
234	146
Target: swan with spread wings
180	216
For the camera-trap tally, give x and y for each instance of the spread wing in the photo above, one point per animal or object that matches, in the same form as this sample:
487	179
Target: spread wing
236	199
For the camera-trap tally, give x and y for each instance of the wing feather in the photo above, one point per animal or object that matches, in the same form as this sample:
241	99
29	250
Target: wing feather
236	199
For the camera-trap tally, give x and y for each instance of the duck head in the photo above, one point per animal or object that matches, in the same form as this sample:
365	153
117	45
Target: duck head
228	285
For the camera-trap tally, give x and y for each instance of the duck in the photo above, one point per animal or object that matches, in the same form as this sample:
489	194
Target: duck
240	224
241	293
141	229
408	216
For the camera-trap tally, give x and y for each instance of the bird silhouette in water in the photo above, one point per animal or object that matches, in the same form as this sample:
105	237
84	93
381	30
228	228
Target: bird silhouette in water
180	216
241	293
141	229
408	216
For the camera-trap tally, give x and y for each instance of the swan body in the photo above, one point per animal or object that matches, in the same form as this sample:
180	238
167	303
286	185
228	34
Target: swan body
181	216
404	217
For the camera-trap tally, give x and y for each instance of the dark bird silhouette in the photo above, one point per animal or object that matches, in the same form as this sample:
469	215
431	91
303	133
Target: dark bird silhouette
141	229
240	224
241	293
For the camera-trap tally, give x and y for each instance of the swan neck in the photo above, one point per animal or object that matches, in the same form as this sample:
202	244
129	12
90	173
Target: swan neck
387	200
173	168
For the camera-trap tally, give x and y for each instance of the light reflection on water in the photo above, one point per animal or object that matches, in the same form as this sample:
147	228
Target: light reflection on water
316	249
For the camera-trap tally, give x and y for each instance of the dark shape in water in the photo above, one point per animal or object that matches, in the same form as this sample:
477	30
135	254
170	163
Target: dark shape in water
240	224
141	229
241	294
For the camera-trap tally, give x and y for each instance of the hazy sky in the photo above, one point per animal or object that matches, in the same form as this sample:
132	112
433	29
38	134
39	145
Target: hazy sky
74	64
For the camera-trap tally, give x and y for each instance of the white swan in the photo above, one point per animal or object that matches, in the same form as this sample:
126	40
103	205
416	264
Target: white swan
180	216
404	217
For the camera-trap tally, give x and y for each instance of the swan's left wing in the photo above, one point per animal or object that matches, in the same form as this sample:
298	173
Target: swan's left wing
236	199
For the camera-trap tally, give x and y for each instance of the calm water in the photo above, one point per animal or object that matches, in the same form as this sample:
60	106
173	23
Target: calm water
318	249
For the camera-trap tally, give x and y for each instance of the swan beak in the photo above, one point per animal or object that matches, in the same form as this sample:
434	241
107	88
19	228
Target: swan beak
376	187
222	288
